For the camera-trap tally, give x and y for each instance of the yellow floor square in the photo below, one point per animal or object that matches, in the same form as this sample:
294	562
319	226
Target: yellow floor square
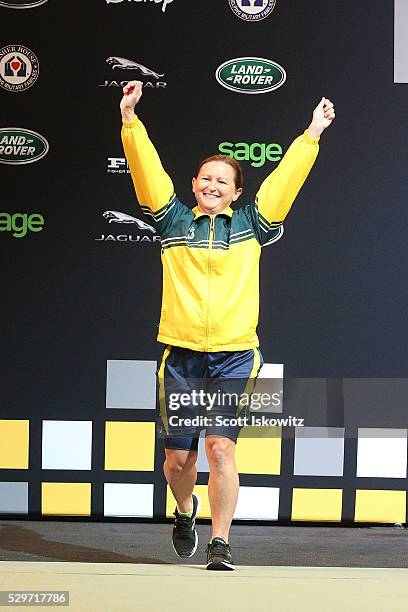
317	504
66	498
14	444
201	491
129	446
380	506
258	450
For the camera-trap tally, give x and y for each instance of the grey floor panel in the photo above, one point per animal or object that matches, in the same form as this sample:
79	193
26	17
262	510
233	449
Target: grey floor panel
150	543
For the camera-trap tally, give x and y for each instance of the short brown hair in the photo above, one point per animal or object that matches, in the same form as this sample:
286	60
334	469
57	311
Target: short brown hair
236	166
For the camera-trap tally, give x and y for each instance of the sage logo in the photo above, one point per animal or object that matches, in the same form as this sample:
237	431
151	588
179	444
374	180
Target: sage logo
19	68
22	4
19	224
252	10
19	146
250	75
257	153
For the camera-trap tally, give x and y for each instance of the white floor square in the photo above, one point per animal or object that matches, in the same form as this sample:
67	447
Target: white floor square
67	445
124	499
382	453
260	503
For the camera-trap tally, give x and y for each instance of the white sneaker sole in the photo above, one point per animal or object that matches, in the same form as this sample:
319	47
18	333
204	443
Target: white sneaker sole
220	566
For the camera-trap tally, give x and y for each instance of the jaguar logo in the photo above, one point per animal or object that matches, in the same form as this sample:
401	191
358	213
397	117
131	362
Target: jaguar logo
113	216
125	64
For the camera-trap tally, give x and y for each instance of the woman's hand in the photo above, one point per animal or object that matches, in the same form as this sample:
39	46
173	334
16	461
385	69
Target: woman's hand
323	116
132	92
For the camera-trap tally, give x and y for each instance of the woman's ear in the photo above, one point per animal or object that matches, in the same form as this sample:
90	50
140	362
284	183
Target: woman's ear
237	194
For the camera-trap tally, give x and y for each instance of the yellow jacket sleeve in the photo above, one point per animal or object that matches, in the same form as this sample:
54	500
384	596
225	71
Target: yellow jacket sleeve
279	190
154	188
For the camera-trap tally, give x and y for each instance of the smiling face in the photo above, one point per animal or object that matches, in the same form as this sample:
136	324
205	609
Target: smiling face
214	187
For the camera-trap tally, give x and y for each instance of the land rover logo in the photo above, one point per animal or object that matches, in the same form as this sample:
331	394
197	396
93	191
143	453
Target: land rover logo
22	4
250	75
18	146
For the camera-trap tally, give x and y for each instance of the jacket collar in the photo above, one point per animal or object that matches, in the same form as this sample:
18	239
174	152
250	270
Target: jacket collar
198	213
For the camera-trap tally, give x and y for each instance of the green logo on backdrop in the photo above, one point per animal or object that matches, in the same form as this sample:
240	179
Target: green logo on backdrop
18	146
21	4
21	223
250	75
256	152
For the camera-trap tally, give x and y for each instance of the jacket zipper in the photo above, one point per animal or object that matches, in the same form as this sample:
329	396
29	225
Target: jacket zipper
209	268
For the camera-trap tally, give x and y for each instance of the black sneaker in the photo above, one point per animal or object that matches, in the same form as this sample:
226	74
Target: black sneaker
219	556
185	538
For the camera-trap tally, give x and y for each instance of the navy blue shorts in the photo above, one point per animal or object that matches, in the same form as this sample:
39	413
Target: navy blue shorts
204	391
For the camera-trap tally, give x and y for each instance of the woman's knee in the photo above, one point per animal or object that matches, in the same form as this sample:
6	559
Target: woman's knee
219	450
178	461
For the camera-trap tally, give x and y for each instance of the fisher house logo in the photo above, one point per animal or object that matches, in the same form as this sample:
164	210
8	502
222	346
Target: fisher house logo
252	10
19	68
250	75
22	4
18	146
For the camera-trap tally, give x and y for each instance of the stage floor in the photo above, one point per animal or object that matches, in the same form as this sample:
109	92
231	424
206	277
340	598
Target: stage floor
150	543
123	587
121	567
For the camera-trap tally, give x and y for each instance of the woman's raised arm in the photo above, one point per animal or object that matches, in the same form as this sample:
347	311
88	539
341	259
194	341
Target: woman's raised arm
154	188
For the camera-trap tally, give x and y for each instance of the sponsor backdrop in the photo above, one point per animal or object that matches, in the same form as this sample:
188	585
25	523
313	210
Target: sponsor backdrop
80	266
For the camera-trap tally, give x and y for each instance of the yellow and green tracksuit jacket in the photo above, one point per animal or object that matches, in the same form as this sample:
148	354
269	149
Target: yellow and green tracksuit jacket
211	263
